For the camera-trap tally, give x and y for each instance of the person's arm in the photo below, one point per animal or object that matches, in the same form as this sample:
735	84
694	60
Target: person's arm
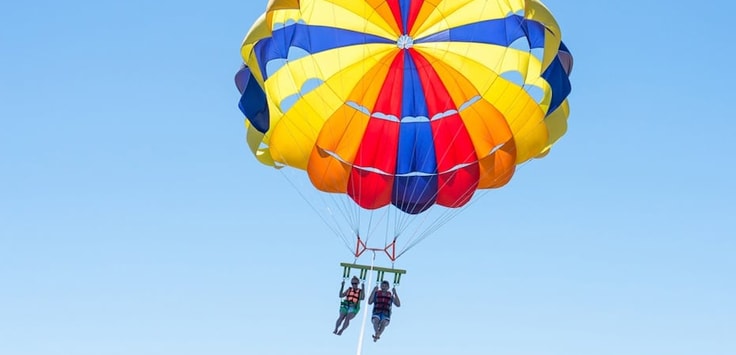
362	291
342	287
397	302
373	293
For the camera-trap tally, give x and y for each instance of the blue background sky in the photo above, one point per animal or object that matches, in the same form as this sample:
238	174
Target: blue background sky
133	219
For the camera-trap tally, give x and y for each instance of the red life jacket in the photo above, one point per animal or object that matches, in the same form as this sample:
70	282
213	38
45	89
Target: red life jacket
353	295
382	302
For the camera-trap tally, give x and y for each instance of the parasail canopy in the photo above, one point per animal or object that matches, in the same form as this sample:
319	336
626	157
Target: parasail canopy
404	104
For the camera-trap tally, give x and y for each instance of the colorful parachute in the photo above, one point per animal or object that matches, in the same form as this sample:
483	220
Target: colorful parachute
404	103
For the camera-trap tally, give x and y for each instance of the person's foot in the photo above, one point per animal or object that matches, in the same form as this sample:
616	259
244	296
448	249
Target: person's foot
375	338
340	332
334	331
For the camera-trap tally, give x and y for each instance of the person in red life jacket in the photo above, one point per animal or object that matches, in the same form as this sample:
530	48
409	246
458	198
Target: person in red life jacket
382	301
349	306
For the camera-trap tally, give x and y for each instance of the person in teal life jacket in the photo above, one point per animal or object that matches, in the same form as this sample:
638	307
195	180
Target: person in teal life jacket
382	301
349	306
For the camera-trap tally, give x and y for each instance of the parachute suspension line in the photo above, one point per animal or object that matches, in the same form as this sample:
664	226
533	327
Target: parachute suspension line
333	201
446	216
385	235
375	223
370	224
351	214
357	221
403	223
403	220
451	213
363	238
365	307
361	247
363	233
437	224
332	226
342	205
344	210
443	218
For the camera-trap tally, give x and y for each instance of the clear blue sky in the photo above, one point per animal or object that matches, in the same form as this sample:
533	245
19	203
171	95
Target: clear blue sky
133	219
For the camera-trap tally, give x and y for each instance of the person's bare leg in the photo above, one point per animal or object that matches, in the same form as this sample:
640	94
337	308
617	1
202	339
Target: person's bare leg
346	323
381	328
376	324
339	320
